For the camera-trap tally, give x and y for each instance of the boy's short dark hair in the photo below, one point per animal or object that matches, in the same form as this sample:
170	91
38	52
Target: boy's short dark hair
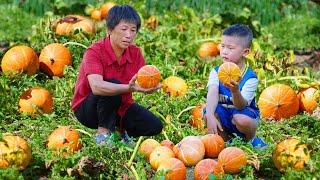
122	13
242	31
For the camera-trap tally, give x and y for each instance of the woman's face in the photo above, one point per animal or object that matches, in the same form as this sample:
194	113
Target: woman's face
123	34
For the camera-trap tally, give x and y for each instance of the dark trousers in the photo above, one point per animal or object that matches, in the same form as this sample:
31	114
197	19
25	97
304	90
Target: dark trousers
101	111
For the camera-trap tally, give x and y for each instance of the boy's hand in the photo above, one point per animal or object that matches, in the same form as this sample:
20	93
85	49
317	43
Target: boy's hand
233	86
213	124
133	86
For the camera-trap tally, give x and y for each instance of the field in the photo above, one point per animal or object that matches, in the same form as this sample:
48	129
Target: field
286	50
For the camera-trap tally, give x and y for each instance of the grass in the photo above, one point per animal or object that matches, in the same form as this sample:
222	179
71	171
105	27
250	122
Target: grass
172	47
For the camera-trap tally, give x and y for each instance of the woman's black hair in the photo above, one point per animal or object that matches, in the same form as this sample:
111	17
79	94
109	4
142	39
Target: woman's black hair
122	13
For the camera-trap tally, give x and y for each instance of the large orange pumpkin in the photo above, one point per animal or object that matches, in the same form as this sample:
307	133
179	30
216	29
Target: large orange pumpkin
105	8
213	144
69	24
190	150
197	117
308	99
53	58
167	143
147	146
232	159
174	168
148	76
20	59
14	151
278	101
175	86
36	100
64	140
208	49
229	71
290	153
206	167
160	154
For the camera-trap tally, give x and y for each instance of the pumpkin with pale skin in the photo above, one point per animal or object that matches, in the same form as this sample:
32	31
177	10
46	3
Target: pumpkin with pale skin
36	100
147	146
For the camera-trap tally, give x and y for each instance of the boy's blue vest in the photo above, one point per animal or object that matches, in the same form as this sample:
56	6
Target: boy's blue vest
225	98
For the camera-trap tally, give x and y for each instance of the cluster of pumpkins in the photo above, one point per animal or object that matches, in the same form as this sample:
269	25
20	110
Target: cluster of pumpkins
191	151
16	152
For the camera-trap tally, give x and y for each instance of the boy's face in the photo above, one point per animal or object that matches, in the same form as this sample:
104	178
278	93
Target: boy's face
232	49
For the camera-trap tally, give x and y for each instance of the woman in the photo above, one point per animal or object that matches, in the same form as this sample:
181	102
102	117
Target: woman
106	80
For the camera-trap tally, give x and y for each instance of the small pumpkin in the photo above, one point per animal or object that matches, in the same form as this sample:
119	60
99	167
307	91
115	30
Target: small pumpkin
278	101
290	153
308	99
206	167
152	22
175	86
197	117
14	151
36	100
232	159
174	168
64	140
229	71
20	59
53	58
71	23
169	144
147	146
148	76
190	150
160	154
213	144
105	8
208	49
96	15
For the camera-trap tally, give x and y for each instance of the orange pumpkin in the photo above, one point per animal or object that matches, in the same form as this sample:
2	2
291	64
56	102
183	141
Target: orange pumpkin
213	144
152	22
20	59
36	100
148	76
197	117
14	151
308	99
64	140
174	168
229	71
96	15
167	143
160	154
290	153
175	86
190	150
232	159
105	8
206	167
278	101
208	49
69	24
53	58
147	146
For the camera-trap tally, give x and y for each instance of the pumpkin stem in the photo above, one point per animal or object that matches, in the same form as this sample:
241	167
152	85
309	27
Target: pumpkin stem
52	61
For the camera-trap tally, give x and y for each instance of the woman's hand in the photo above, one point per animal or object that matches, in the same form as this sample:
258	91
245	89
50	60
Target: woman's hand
134	87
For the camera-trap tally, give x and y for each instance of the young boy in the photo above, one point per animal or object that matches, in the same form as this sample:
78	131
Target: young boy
233	105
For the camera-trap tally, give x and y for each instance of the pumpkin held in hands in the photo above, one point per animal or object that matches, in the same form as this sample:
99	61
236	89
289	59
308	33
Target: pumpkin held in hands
64	140
148	76
290	153
232	159
14	151
208	49
36	100
278	101
174	168
229	71
20	59
53	58
308	99
206	167
175	86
